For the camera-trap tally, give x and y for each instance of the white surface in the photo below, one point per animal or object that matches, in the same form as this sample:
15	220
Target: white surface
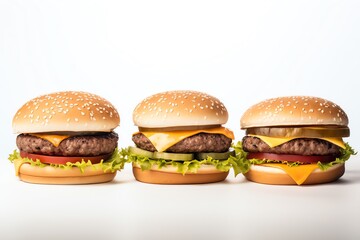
240	51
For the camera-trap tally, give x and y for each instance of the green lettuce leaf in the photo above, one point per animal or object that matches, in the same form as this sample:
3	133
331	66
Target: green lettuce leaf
344	156
114	163
235	162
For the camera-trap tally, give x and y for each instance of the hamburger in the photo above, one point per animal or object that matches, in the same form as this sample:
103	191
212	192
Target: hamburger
295	140
66	138
181	139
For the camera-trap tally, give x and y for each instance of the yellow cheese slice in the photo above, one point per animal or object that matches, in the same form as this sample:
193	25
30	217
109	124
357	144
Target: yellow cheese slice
337	141
273	142
54	139
298	173
164	140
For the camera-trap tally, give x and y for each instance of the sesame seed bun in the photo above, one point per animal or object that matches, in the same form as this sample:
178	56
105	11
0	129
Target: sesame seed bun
169	175
178	109
52	175
276	176
71	111
294	111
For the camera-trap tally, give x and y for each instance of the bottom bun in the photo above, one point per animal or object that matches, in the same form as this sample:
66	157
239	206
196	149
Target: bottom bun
51	175
168	175
276	176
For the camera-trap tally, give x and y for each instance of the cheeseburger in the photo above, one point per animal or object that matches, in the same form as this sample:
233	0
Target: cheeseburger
295	140
66	138
181	139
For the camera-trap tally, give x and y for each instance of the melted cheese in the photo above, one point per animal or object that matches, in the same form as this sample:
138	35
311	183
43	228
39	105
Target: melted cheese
273	142
164	140
298	173
54	139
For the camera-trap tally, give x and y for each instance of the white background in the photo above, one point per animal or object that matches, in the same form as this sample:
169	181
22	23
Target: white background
239	51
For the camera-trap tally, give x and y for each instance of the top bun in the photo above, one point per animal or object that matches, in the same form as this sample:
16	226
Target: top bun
66	111
179	108
294	111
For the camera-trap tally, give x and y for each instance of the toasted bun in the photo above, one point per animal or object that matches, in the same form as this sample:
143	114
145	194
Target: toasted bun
168	175
276	176
51	175
179	108
294	111
66	111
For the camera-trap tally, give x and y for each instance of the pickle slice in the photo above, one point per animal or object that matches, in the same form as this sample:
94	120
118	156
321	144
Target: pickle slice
142	152
308	131
215	155
174	156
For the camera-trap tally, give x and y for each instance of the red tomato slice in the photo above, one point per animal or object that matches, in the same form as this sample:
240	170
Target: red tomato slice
292	158
62	159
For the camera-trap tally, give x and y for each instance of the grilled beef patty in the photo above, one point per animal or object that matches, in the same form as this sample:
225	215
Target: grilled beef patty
201	142
299	146
82	145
